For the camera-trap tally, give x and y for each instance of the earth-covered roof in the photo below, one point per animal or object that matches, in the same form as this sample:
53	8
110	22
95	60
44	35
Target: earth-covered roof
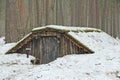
88	37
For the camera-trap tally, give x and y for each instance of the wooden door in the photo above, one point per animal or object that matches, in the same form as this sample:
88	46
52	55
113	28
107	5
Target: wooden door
48	48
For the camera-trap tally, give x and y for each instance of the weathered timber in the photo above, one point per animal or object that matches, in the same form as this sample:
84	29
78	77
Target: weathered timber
47	45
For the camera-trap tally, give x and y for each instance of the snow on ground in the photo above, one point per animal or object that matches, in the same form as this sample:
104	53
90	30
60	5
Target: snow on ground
104	64
77	67
13	64
5	47
2	42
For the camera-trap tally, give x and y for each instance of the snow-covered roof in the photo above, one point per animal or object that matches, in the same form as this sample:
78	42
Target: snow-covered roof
88	37
67	28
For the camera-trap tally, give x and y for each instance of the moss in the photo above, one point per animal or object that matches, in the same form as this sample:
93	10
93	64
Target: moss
88	30
50	29
64	30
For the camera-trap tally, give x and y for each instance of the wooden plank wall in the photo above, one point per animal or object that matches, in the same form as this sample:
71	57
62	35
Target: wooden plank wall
48	48
103	14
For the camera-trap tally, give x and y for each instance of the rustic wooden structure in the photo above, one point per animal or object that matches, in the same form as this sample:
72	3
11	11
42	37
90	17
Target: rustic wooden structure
48	43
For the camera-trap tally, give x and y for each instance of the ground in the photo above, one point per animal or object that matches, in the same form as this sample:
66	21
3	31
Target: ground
104	64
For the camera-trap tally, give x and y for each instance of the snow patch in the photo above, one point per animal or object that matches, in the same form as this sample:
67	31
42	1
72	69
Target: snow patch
104	64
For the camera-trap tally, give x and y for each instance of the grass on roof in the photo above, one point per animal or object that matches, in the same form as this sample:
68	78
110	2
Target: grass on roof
90	30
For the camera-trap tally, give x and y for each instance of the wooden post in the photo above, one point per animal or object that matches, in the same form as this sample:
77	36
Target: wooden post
27	51
81	51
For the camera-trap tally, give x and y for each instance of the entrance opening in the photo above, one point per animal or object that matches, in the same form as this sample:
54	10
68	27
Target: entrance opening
48	48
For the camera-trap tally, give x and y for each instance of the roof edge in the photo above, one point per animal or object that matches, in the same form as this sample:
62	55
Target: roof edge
18	43
67	28
80	43
58	28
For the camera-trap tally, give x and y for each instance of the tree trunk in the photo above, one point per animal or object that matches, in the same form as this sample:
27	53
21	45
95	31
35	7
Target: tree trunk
2	17
23	15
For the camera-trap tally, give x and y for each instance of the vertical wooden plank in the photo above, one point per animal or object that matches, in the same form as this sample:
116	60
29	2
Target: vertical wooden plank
36	47
41	50
63	45
32	48
70	48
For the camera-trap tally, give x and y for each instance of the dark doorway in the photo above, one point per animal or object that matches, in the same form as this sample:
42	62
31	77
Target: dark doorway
48	48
